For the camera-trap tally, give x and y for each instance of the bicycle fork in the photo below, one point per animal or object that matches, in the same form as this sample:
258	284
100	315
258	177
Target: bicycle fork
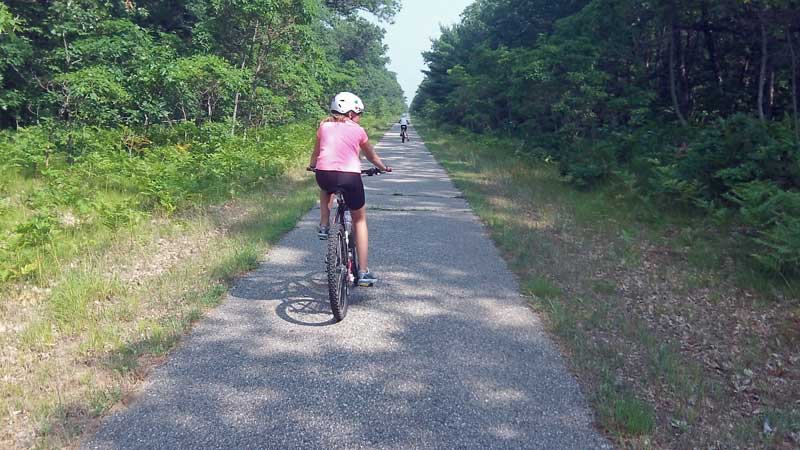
348	232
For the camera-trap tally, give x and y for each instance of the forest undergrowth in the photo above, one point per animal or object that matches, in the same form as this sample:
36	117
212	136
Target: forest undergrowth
679	338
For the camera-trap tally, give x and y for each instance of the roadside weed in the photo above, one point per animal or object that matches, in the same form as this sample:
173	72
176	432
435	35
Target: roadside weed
100	400
619	410
73	302
238	260
604	287
541	288
633	415
36	335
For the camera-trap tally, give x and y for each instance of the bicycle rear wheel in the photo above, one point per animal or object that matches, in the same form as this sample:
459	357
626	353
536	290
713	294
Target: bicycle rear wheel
337	270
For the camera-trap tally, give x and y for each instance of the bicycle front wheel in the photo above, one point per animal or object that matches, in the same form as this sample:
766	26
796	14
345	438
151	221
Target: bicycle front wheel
337	266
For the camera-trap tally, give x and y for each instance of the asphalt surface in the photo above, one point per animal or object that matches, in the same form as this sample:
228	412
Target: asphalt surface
442	354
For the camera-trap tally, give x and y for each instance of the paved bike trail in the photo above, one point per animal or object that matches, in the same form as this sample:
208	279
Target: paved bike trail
444	354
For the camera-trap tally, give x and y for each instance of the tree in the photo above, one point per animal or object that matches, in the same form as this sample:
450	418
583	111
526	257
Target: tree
172	56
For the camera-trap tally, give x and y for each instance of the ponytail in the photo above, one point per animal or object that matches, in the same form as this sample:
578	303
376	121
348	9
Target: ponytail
338	117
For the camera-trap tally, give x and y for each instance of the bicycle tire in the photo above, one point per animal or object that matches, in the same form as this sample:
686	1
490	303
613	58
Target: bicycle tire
336	268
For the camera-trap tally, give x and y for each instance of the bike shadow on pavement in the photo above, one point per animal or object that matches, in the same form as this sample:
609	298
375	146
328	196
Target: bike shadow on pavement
302	300
299	292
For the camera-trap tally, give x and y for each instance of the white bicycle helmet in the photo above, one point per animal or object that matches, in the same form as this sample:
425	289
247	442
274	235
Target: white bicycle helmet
344	102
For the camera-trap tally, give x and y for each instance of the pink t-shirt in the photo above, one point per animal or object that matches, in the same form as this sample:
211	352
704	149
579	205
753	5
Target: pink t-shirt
339	145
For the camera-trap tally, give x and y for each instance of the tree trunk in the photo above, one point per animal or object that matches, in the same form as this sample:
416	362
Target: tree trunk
711	47
66	50
793	53
688	60
235	112
771	92
762	78
238	94
673	88
744	79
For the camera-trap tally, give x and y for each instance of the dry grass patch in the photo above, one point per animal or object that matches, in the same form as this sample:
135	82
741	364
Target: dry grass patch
81	341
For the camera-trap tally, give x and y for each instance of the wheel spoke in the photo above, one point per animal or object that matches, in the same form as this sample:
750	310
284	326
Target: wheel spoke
337	273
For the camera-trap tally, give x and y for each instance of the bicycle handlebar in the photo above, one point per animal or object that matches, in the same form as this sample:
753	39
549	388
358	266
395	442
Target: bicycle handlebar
368	172
374	171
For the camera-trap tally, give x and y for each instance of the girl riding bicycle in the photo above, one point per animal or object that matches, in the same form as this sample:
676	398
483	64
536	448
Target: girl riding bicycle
340	139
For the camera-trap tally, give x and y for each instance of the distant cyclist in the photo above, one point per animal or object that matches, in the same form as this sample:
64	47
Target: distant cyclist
404	123
340	138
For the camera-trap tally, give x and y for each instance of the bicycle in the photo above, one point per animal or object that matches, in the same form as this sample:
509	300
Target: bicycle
341	258
404	133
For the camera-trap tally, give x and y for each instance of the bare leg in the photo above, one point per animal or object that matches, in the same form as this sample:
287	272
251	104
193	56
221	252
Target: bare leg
325	208
362	236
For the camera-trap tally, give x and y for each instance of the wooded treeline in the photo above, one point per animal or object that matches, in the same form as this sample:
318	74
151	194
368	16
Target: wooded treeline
677	101
114	110
140	62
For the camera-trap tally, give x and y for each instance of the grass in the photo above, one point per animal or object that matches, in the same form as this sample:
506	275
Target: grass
96	327
37	335
653	307
242	258
621	411
72	302
604	287
540	287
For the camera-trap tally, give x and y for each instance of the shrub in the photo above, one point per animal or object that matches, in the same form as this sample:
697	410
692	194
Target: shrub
774	214
265	107
203	87
93	95
588	163
111	177
27	150
35	231
737	150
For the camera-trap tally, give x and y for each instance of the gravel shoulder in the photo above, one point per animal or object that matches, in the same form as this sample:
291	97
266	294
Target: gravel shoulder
444	353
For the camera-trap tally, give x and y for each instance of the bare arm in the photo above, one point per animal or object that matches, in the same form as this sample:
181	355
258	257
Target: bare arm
372	156
314	154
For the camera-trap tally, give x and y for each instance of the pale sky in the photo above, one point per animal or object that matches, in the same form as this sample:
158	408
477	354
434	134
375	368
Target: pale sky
411	33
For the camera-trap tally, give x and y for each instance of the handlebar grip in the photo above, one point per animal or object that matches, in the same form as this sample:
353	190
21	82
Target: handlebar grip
373	171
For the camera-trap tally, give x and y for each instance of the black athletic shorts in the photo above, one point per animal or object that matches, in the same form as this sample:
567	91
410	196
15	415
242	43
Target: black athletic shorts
404	127
347	182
